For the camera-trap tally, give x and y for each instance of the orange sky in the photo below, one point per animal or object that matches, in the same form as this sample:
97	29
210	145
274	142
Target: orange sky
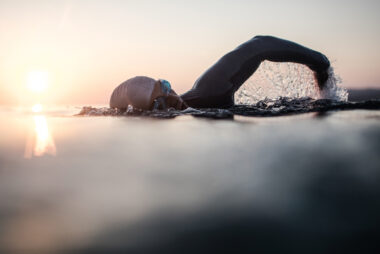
89	47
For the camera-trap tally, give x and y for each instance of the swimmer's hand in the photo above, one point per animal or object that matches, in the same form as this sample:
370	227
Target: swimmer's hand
321	71
321	77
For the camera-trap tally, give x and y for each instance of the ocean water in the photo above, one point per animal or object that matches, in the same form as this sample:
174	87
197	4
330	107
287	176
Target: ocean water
281	176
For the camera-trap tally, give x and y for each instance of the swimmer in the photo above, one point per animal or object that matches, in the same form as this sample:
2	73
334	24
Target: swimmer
216	87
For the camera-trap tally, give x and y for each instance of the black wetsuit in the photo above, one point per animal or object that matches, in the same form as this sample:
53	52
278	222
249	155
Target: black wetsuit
217	86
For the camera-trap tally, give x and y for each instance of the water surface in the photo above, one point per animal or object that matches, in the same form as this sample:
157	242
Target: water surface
305	183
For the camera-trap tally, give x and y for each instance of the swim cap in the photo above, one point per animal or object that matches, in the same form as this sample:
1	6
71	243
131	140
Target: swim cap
136	91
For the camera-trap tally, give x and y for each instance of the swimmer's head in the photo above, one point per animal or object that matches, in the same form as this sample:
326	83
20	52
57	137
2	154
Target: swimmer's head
145	93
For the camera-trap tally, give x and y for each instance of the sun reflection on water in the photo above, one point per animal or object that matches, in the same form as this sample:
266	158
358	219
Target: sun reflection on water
41	141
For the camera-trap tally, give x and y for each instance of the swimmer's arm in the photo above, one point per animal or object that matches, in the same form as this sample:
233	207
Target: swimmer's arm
279	50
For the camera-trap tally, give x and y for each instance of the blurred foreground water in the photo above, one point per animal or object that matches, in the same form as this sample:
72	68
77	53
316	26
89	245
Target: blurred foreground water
306	183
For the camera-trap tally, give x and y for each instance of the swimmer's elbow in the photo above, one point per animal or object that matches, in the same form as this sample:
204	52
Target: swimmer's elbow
323	63
326	61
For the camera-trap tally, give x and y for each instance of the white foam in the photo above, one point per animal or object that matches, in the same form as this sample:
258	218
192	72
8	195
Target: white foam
332	90
274	80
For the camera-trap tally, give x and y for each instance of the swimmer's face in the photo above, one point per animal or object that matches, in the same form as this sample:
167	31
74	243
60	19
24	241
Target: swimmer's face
165	97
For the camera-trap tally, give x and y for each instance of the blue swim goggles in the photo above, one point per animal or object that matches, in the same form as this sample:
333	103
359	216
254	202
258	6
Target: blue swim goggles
165	85
160	102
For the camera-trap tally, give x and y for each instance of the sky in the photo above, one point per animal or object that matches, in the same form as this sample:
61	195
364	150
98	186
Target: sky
88	47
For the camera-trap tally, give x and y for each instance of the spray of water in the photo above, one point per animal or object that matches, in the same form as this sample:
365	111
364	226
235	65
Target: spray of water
274	80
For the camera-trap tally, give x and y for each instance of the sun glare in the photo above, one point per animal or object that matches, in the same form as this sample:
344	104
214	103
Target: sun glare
42	141
37	108
37	81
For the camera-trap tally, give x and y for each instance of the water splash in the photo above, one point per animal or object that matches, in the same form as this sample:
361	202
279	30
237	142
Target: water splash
275	80
332	90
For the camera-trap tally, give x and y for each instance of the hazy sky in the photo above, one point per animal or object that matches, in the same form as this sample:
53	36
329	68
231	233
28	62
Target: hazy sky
90	46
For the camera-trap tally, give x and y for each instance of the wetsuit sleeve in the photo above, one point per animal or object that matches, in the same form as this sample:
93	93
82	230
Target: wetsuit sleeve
280	50
274	49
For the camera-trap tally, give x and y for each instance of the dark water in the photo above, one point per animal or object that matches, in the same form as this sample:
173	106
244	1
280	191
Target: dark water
294	183
313	200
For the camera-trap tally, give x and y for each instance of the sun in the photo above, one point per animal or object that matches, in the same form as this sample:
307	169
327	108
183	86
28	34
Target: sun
37	81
